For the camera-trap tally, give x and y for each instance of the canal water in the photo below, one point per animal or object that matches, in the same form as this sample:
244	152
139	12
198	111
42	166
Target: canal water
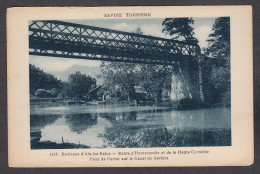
115	126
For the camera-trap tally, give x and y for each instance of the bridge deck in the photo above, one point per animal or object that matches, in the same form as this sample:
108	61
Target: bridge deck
69	40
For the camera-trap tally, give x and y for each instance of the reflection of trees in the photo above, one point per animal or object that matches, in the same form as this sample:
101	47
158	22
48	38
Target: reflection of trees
80	122
136	137
41	121
108	116
179	129
122	116
122	137
157	138
126	116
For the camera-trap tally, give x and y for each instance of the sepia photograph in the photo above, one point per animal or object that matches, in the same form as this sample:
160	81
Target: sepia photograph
123	83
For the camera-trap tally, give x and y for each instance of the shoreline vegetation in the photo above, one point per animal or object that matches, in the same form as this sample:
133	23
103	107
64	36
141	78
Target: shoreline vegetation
37	144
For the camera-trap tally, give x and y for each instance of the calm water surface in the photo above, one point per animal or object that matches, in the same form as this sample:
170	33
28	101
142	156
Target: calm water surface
129	126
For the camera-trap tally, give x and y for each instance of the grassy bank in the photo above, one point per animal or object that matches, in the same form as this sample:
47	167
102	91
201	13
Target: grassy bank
36	144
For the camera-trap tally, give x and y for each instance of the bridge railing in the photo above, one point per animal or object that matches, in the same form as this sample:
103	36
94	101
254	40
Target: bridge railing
64	39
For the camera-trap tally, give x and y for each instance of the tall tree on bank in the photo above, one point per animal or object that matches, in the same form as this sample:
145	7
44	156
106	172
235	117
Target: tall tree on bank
79	85
179	28
219	47
119	78
219	39
154	77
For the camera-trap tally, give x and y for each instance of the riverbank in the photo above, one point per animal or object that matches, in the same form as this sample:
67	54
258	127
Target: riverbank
185	104
37	144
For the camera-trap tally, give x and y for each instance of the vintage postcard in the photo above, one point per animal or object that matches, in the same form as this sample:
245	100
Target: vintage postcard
130	86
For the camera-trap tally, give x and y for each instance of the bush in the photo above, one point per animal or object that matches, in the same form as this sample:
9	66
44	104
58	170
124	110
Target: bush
42	93
187	103
55	92
226	98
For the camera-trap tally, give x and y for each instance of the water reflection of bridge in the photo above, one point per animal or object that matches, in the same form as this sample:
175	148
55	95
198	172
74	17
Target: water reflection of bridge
69	40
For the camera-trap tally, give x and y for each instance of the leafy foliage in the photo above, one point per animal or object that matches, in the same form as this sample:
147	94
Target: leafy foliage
153	78
219	42
219	47
79	85
42	80
220	76
44	85
119	77
179	28
42	93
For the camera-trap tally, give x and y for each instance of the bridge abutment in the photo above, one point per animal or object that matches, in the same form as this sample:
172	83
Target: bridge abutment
187	81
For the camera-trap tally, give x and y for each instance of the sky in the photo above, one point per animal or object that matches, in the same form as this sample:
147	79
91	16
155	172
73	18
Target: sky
202	28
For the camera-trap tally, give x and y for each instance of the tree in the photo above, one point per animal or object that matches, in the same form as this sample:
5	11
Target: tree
219	39
119	78
41	80
219	47
139	31
153	78
42	93
79	85
179	28
220	79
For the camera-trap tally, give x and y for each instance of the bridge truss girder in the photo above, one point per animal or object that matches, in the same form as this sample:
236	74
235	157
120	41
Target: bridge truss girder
63	39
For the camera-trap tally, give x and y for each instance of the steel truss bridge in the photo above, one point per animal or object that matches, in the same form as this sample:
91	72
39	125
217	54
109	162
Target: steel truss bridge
69	40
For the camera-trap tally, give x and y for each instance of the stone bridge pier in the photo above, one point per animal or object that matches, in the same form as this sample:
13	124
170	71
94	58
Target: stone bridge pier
187	81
